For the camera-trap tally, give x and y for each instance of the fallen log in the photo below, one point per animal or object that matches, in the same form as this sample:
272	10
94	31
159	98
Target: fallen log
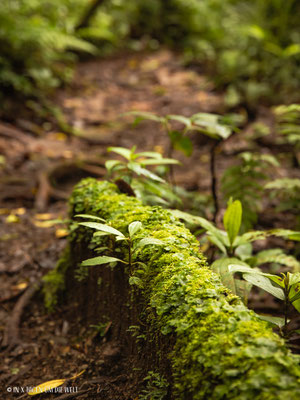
178	324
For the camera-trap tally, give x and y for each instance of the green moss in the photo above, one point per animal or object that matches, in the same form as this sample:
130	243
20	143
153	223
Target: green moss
222	350
54	281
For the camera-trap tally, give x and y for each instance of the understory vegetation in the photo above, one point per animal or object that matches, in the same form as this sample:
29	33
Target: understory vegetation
184	121
251	49
214	332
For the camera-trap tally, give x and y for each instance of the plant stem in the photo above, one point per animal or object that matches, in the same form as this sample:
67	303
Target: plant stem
214	179
286	307
129	256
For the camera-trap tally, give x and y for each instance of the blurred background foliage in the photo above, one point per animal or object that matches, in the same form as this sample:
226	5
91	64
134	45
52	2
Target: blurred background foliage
251	48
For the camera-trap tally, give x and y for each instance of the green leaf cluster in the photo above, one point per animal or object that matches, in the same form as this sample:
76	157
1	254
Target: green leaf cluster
221	348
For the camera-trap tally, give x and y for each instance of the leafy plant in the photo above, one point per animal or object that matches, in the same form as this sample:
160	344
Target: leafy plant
134	244
285	287
287	191
287	125
147	185
211	125
288	122
37	39
157	387
244	181
237	249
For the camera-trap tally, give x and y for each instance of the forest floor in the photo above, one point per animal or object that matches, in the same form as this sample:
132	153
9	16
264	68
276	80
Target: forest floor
41	166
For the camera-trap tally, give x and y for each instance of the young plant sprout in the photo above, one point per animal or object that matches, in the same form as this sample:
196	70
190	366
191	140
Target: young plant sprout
133	245
211	125
150	187
237	256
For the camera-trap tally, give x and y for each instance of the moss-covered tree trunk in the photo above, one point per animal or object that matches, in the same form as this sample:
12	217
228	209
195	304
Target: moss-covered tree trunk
180	321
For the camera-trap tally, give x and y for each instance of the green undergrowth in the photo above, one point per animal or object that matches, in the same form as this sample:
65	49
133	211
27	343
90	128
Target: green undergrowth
54	281
222	349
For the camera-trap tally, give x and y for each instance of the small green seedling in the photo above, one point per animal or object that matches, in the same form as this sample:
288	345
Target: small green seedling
214	126
136	163
147	185
285	287
237	249
156	388
134	244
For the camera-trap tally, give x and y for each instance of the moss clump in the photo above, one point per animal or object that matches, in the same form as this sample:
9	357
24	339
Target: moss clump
222	350
54	281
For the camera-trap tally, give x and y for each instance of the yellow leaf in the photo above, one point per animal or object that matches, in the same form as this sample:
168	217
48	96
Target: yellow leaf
60	233
43	224
10	219
19	211
46	386
20	286
43	217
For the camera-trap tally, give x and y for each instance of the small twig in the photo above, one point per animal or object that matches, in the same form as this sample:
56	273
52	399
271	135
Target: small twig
11	333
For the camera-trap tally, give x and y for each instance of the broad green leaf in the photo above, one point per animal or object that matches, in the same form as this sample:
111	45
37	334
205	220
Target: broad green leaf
98	233
232	220
139	170
294	278
134	227
241	267
265	284
110	164
220	267
126	153
295	297
90	217
151	154
244	251
250	237
278	321
277	279
180	118
145	115
208	124
102	228
217	242
215	235
100	260
147	241
284	183
277	256
286	233
134	280
294	236
296	304
162	161
161	190
119	238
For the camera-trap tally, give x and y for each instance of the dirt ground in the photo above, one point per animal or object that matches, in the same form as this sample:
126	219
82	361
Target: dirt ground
41	166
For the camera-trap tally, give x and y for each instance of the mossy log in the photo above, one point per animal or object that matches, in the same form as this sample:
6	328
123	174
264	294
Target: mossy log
180	321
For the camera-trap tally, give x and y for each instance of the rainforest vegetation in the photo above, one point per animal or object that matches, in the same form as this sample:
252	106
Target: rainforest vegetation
150	196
